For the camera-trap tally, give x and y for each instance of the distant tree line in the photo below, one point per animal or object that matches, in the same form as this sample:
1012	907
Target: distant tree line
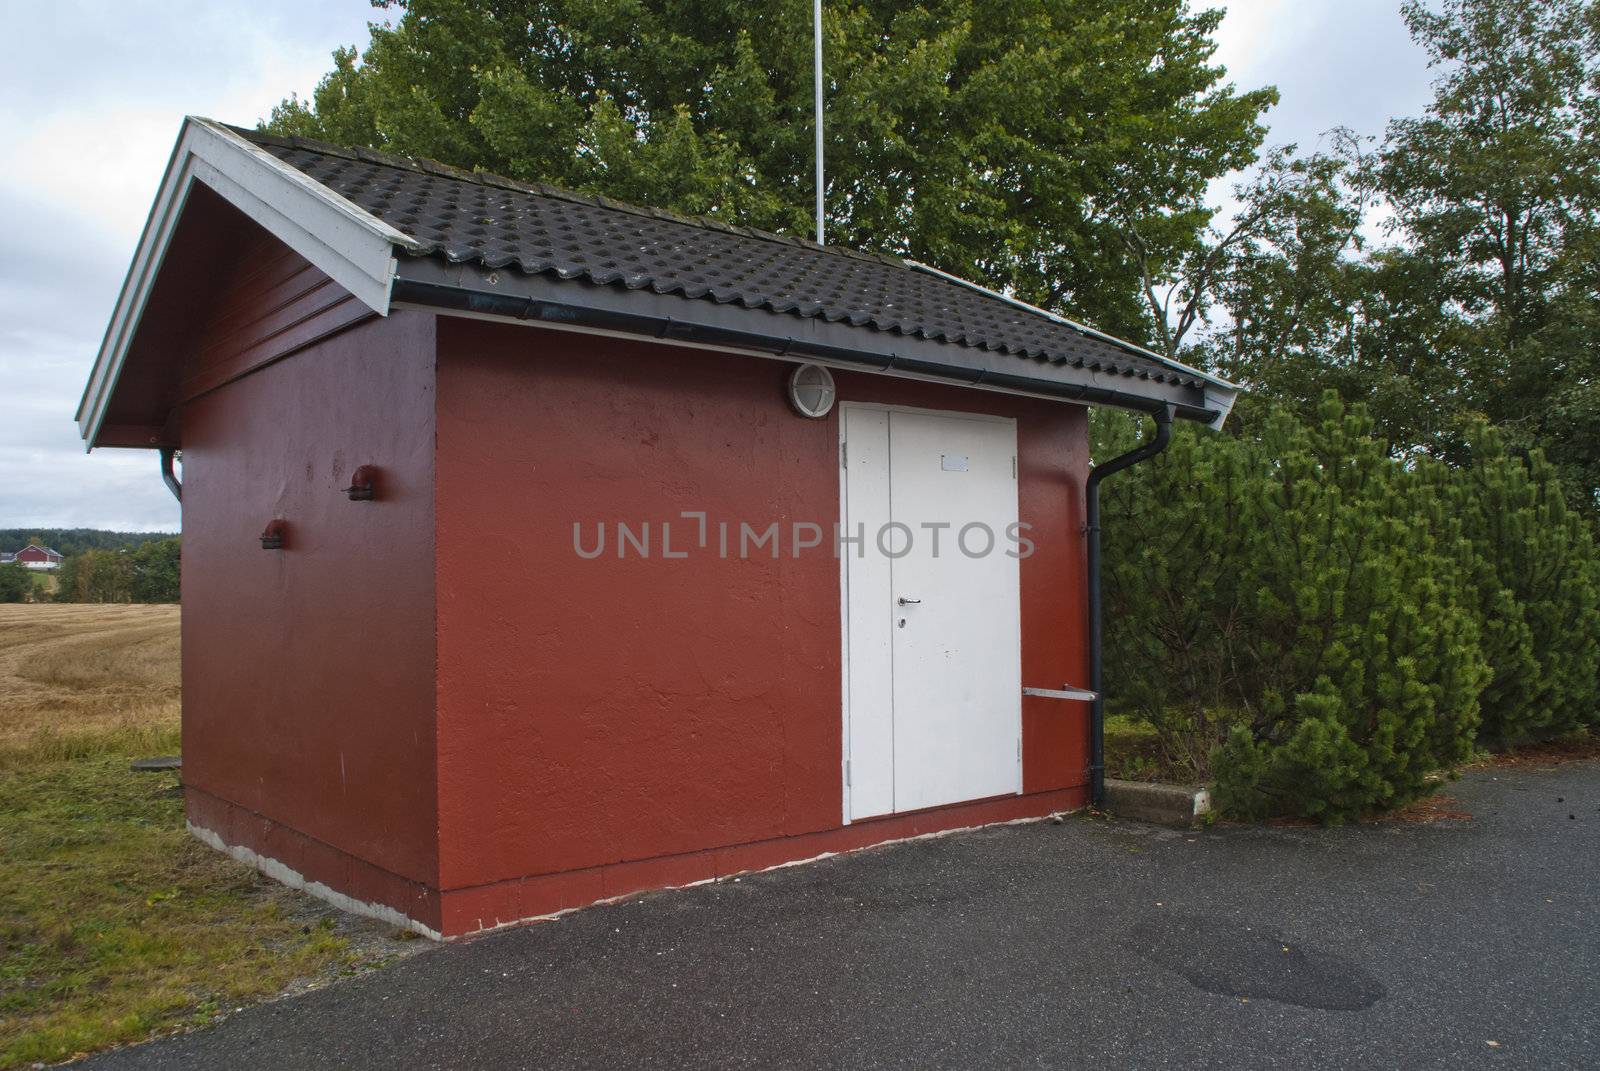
70	541
126	567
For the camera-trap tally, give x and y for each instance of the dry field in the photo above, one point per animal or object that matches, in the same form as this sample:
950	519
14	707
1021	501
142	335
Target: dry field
86	677
115	924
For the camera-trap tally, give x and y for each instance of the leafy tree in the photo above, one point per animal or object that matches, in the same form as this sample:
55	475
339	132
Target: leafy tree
1485	303
1565	425
67	583
155	571
15	583
1499	181
1011	141
96	576
1306	210
1309	308
1497	188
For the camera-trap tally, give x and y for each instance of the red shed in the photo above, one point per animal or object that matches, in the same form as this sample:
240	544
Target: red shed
540	549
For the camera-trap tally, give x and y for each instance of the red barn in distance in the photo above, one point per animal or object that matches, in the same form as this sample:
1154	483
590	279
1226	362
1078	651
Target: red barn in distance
540	549
35	557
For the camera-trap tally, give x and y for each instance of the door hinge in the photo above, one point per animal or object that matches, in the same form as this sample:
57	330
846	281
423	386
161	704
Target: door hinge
846	773
1019	749
1013	466
844	455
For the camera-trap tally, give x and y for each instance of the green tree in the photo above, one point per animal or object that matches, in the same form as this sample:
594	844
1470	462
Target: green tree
155	568
1302	212
1308	307
96	576
1497	188
1011	141
1485	304
1500	179
1175	609
15	584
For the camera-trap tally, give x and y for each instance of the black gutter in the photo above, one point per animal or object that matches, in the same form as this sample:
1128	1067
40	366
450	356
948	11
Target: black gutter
537	310
167	475
1097	706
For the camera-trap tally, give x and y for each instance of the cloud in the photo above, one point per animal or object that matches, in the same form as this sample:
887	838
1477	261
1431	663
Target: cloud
85	154
1335	62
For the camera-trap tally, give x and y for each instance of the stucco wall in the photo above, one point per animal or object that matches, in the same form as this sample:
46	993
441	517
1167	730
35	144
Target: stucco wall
598	711
308	673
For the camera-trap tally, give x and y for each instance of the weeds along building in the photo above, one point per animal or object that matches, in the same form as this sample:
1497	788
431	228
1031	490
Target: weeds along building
540	549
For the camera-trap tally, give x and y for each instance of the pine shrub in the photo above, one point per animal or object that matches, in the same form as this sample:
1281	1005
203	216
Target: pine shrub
1532	581
1307	584
1173	608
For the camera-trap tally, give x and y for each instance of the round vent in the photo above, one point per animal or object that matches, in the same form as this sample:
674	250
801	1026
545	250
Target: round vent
811	391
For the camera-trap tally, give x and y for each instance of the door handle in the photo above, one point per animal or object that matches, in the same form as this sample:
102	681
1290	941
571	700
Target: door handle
909	602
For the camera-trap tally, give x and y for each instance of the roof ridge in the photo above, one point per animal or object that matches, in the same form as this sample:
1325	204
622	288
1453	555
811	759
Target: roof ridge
424	166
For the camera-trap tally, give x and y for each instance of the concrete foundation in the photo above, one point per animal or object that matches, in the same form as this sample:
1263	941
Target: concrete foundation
1183	806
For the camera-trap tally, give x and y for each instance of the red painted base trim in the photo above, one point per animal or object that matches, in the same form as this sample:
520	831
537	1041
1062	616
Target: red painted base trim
312	860
459	912
483	907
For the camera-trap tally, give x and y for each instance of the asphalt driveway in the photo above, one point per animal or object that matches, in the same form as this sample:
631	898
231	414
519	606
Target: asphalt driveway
1095	944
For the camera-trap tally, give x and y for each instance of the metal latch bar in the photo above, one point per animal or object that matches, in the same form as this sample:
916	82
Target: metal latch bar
1065	692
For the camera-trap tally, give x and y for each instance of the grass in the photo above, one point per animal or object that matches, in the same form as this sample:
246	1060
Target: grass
1134	753
115	924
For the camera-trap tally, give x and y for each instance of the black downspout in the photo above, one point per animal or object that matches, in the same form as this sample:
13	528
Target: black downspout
1097	707
167	475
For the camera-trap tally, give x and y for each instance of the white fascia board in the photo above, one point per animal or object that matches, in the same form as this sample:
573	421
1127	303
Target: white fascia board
1220	399
1206	377
349	244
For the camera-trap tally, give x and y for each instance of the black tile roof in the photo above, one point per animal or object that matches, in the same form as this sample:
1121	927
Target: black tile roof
498	222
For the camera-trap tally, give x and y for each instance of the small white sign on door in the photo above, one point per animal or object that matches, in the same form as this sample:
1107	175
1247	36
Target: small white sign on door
953	462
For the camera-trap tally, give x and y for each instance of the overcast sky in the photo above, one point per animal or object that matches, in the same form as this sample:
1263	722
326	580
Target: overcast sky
95	92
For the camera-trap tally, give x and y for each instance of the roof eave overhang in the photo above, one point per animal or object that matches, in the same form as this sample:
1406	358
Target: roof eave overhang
1083	329
472	290
358	251
351	245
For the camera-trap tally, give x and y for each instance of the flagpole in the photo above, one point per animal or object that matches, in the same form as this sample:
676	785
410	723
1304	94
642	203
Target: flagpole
816	23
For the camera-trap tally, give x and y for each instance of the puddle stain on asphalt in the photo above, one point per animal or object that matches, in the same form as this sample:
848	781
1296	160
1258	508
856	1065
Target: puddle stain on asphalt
1233	961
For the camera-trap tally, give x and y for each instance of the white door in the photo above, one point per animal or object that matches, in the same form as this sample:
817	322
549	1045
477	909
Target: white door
933	687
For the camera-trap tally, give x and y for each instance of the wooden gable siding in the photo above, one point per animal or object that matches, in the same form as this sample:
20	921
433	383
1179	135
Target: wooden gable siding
272	303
